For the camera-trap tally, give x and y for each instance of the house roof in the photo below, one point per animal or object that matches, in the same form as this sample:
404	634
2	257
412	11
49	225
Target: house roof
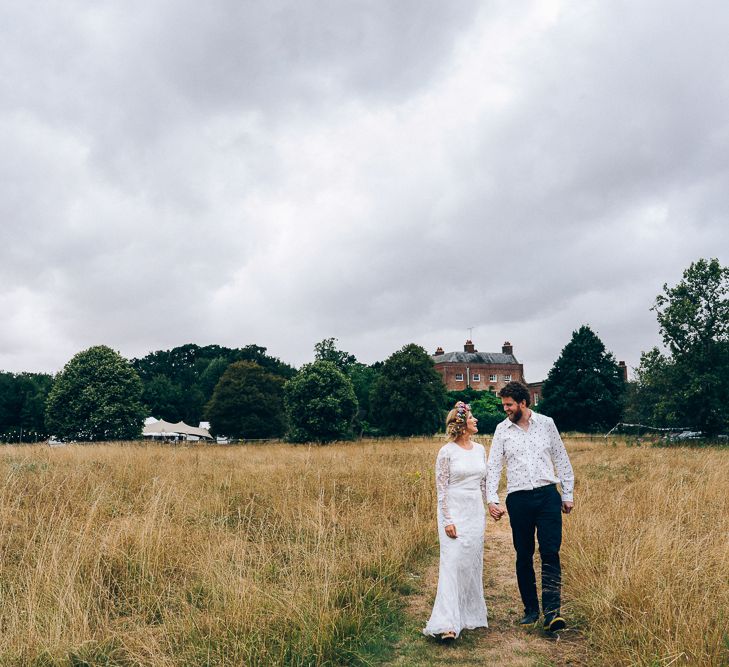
475	358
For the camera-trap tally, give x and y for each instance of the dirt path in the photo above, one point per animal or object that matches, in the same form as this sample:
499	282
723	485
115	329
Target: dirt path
504	643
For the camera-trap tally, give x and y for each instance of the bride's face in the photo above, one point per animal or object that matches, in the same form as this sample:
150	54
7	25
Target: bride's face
471	424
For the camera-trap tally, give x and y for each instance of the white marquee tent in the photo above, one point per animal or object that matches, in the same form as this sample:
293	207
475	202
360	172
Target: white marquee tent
159	428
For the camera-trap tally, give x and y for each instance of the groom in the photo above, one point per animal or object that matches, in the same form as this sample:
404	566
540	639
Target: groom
530	445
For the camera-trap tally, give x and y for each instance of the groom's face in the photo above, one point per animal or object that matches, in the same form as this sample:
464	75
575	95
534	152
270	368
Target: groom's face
513	410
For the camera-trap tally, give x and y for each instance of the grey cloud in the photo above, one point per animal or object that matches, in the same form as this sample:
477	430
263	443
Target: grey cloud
382	172
135	65
261	55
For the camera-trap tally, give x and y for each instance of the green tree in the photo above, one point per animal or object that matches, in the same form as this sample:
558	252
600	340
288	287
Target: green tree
584	390
34	389
247	402
259	355
97	396
320	403
193	371
326	350
193	405
485	406
695	313
488	410
162	397
467	395
363	378
650	398
214	370
361	375
408	396
689	386
7	402
22	406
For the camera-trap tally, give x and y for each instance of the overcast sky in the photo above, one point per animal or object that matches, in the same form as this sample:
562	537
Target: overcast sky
383	172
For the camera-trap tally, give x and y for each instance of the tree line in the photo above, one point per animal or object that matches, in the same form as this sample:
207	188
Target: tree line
247	393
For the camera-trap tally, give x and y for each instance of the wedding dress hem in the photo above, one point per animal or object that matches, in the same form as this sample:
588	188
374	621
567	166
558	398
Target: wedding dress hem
435	632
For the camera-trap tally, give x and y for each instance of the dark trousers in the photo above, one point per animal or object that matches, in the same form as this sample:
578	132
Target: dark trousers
541	510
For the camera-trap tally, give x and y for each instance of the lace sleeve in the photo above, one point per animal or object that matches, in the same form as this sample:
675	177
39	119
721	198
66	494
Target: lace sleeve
442	479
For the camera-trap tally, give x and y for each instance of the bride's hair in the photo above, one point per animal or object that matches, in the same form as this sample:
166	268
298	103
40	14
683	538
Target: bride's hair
456	420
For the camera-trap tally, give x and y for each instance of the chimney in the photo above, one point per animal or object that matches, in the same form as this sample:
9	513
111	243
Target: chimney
624	369
439	351
468	347
507	348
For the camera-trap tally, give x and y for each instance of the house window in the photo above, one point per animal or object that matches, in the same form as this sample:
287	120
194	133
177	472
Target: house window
536	399
492	378
477	377
459	377
507	377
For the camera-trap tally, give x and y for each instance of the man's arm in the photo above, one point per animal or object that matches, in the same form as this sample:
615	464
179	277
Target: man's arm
563	468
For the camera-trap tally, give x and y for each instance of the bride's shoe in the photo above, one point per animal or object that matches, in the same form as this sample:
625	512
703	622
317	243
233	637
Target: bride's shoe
448	636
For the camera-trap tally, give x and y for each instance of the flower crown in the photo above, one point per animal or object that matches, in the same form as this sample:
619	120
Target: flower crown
462	410
456	427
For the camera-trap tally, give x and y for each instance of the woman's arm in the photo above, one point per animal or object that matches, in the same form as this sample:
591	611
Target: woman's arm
442	479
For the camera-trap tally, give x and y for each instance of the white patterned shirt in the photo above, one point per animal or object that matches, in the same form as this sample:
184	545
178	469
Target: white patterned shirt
531	456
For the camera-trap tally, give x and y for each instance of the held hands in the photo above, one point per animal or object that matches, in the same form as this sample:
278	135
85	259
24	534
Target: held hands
450	530
495	511
567	506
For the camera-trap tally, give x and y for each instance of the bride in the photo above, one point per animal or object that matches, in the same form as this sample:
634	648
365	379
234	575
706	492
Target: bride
460	479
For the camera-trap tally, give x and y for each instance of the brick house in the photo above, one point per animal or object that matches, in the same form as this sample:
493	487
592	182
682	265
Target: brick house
488	371
535	392
482	371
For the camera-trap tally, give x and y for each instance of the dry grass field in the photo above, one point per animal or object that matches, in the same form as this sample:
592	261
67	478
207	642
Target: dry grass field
297	555
647	554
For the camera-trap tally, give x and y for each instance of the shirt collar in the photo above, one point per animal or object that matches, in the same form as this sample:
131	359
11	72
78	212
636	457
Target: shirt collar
530	420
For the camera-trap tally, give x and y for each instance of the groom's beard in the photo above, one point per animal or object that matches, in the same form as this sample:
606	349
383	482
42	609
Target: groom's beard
516	416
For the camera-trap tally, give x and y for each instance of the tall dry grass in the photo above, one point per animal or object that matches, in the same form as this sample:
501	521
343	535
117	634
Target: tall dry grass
646	554
283	555
276	555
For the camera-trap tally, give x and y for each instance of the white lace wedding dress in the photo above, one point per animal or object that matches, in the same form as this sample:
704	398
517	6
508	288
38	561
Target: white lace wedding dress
460	478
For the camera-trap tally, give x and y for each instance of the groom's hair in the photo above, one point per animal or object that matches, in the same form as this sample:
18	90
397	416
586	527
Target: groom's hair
516	390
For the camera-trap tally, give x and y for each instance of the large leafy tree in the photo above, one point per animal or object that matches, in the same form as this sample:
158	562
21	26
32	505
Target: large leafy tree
584	390
689	385
97	396
408	395
320	403
694	315
247	403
